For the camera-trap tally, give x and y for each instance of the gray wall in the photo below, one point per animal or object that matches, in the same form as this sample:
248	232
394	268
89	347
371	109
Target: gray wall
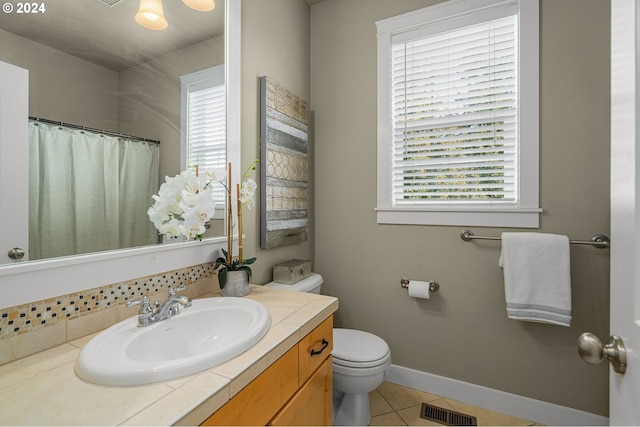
63	87
150	97
142	100
463	332
275	43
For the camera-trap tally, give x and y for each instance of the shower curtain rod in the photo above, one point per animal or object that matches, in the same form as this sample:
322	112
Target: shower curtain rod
106	132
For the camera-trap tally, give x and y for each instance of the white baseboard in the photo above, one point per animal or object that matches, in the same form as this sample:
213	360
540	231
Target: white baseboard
494	400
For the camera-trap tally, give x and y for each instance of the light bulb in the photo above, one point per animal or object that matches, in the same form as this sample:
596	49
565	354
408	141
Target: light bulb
151	16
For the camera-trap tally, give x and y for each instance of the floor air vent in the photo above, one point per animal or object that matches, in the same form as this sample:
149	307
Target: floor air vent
446	416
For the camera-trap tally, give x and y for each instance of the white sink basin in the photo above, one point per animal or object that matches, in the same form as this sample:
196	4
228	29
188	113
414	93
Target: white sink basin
210	332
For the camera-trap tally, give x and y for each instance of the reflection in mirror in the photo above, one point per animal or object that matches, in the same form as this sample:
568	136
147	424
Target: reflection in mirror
105	73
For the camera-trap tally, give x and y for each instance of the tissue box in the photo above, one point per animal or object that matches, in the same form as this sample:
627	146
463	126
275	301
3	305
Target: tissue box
292	271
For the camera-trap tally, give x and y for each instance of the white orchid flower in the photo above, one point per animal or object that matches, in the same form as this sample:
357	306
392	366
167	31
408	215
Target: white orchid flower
247	193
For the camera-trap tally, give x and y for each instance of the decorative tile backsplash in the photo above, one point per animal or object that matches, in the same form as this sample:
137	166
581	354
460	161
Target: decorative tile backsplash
40	314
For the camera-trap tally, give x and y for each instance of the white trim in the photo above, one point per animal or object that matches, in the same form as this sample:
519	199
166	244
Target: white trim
520	218
529	112
625	207
36	281
439	12
233	78
526	213
21	283
188	82
494	400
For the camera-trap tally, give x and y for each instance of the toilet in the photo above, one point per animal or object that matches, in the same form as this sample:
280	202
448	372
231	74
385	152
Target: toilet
360	362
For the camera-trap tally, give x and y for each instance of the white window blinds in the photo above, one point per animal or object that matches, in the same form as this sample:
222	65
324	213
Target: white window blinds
206	132
454	116
204	121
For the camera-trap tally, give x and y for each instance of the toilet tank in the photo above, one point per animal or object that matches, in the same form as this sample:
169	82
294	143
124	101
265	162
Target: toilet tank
311	284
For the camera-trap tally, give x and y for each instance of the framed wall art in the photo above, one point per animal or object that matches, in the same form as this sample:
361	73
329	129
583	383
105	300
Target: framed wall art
284	183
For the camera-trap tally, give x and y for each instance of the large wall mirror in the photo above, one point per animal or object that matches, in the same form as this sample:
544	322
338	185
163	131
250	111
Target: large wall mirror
90	64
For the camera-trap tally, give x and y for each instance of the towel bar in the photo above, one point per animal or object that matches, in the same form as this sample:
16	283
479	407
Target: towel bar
598	240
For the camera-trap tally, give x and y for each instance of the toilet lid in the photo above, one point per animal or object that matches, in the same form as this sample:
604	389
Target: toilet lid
358	348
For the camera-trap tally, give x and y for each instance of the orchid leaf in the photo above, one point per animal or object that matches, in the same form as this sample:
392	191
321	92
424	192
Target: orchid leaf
222	277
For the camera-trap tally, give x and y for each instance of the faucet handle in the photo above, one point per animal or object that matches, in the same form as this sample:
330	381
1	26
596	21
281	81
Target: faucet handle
142	301
145	307
174	291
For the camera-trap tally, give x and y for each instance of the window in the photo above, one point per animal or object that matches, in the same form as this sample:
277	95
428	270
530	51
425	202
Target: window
458	115
204	122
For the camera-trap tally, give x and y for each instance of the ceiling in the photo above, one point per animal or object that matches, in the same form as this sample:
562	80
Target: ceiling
109	35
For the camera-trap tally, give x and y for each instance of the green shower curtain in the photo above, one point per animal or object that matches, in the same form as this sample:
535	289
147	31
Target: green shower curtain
88	192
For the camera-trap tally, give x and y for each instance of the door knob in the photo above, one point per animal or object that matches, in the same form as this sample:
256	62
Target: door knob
16	253
592	351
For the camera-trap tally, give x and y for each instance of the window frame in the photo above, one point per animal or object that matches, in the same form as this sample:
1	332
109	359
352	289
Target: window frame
208	77
525	212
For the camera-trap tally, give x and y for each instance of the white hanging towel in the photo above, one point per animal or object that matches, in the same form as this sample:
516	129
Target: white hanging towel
537	278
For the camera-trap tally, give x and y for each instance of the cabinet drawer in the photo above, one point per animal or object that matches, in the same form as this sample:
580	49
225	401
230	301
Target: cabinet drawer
314	349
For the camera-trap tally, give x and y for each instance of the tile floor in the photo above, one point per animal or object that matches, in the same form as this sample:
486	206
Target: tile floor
395	405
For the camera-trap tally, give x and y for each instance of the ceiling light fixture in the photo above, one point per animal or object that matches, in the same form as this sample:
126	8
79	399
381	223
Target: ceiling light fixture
151	15
200	5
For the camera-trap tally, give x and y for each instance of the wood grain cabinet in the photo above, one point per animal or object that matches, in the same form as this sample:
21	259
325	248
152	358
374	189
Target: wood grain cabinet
295	390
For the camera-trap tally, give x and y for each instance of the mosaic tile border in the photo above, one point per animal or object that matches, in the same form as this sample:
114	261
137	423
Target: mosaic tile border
30	317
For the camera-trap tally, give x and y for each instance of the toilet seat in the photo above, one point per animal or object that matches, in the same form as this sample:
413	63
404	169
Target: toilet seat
361	365
359	349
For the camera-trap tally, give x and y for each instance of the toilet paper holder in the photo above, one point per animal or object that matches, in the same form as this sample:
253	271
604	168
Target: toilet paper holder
433	285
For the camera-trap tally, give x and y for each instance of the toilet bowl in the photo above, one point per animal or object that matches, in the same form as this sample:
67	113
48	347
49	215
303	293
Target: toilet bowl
360	362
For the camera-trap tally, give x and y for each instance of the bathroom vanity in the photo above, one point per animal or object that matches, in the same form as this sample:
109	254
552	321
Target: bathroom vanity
285	379
295	390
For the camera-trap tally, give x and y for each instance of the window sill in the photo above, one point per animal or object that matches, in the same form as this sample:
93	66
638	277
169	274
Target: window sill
506	217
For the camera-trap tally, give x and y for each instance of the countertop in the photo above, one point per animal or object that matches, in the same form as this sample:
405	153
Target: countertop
43	389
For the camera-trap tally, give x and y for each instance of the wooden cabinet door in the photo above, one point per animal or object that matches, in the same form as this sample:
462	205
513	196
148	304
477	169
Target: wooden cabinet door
259	401
313	404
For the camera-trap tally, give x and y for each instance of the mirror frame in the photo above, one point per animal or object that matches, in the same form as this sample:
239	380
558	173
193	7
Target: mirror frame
22	283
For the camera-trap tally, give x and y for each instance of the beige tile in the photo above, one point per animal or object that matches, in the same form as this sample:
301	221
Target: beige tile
31	366
33	342
95	322
411	415
311	315
81	342
400	397
185	399
205	409
407	403
390	419
488	418
202	287
246	367
378	405
57	394
281	303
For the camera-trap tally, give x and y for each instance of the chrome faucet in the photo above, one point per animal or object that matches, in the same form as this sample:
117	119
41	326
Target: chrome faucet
148	316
